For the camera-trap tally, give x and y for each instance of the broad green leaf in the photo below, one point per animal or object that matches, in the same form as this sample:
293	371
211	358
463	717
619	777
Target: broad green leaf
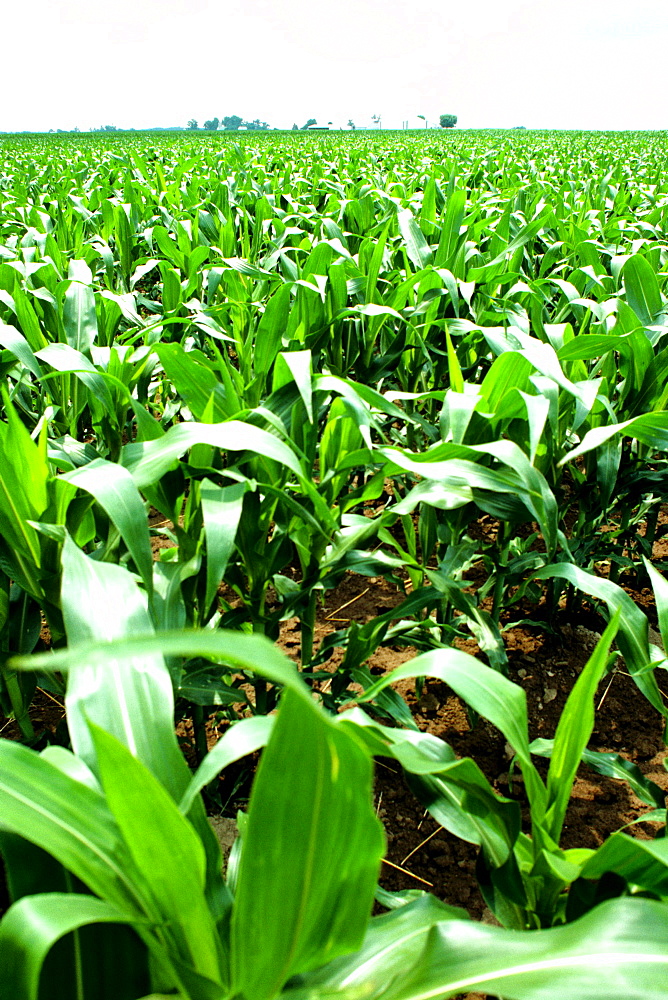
33	925
618	950
271	328
245	737
488	692
649	428
455	792
660	588
641	862
573	732
303	889
149	460
195	381
23	497
166	852
128	696
221	511
65	358
417	248
67	819
450	227
114	489
298	364
518	478
13	341
236	650
79	320
613	765
642	289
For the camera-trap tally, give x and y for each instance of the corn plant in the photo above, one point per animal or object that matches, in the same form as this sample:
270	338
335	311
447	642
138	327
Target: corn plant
525	879
112	835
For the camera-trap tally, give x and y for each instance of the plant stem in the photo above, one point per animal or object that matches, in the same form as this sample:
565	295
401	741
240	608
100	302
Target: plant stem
308	630
199	730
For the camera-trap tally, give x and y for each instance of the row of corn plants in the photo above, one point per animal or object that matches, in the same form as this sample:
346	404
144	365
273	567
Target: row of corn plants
311	357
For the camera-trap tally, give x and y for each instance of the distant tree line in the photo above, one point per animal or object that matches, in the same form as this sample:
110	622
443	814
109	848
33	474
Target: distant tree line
230	124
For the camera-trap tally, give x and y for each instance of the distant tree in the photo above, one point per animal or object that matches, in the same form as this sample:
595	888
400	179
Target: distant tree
256	125
232	123
311	121
516	127
351	124
104	128
212	125
447	121
295	127
192	124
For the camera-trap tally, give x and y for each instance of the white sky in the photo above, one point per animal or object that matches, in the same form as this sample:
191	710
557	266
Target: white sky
592	64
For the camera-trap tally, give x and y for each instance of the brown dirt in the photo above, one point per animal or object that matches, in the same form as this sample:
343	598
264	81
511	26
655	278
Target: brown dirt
546	666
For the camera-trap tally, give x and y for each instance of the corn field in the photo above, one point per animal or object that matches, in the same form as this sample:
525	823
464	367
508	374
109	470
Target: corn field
235	371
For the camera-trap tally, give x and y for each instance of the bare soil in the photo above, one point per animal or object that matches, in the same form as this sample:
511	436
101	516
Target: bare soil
420	854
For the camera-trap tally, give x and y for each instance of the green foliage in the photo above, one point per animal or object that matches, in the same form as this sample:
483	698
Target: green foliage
447	121
128	825
296	356
528	882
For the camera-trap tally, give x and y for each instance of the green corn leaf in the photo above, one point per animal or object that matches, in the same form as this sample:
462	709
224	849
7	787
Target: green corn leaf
290	887
13	341
613	765
488	692
65	358
519	477
253	653
34	924
619	949
297	367
138	707
632	639
640	862
168	855
454	216
149	460
271	328
115	491
23	497
375	264
455	792
660	588
221	510
195	381
69	820
649	428
573	732
417	248
642	289
245	737
79	319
